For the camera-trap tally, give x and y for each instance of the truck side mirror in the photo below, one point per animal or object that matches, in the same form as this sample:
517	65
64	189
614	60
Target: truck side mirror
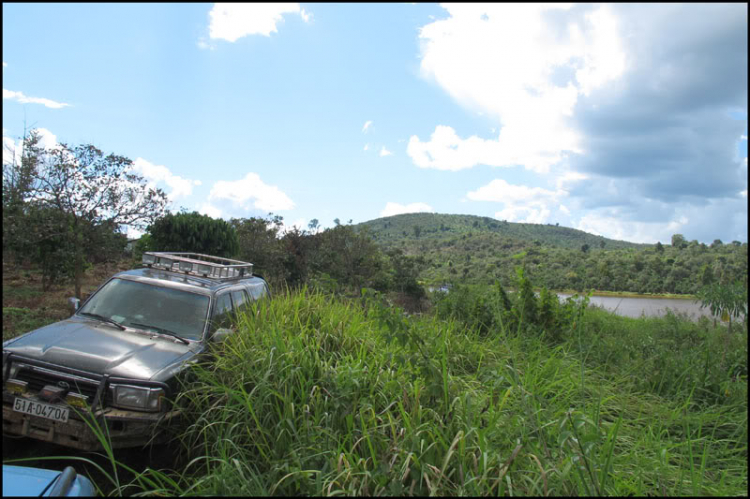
73	304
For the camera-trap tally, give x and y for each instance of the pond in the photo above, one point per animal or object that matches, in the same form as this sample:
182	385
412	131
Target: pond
650	307
630	306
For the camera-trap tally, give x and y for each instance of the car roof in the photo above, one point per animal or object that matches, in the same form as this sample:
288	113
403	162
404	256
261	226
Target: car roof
179	279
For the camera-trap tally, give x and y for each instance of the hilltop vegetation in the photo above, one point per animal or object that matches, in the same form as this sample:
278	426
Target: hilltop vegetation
411	227
480	250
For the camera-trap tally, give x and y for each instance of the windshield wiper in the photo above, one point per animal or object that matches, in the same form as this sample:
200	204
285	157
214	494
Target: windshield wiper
162	331
103	319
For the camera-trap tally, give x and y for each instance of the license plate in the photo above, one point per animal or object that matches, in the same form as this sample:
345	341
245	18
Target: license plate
47	411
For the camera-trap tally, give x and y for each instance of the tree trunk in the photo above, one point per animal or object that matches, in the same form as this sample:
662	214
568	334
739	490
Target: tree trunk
78	265
78	273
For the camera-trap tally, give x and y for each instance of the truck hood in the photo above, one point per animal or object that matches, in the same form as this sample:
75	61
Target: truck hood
99	348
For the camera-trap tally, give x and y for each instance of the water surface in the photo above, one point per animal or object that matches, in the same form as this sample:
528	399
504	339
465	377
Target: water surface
650	307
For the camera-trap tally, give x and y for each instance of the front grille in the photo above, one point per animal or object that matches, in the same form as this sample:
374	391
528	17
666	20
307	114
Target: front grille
38	379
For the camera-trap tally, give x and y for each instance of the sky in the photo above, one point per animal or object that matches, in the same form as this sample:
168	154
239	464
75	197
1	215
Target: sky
623	120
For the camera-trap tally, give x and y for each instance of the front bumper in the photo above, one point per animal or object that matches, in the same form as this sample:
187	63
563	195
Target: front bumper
125	428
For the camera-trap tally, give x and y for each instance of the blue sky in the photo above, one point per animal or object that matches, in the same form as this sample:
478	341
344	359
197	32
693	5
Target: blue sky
628	121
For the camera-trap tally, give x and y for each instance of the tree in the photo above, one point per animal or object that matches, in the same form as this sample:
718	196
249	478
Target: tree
77	193
659	247
707	275
585	248
195	233
406	272
299	248
17	183
260	244
725	300
679	241
350	257
716	243
417	231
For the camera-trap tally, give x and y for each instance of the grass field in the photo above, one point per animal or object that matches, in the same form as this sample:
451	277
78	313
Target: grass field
318	395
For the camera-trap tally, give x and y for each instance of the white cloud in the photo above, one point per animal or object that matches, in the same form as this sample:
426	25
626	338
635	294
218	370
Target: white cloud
47	139
11	151
447	151
23	99
251	188
385	152
366	127
232	21
524	214
568	178
522	203
603	55
299	224
210	210
638	232
11	147
501	191
203	44
367	146
511	62
5	64
397	209
180	187
133	232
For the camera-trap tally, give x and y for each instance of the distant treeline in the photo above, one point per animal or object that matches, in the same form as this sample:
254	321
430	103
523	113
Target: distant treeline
467	249
339	259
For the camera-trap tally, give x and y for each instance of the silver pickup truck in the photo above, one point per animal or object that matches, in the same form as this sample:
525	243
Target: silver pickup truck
115	360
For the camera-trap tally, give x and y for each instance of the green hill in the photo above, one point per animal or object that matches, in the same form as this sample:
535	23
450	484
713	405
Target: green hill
415	227
480	250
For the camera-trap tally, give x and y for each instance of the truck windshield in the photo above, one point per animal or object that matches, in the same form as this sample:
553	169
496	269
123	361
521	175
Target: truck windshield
130	303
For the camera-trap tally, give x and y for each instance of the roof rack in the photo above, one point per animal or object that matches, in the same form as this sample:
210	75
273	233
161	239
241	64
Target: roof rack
212	267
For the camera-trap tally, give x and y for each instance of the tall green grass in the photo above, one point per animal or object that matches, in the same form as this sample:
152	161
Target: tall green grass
317	395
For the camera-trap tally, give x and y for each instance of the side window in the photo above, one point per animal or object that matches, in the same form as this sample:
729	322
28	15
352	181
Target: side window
222	316
258	291
240	299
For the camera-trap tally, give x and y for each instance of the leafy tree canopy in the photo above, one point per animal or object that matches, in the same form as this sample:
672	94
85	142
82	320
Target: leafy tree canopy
196	233
72	200
679	241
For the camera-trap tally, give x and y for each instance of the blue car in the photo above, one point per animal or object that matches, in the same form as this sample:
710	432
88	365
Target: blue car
22	481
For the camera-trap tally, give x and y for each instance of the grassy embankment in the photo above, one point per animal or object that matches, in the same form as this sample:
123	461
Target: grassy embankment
319	396
316	395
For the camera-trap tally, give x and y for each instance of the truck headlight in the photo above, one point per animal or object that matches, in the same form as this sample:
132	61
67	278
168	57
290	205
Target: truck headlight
138	397
13	368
